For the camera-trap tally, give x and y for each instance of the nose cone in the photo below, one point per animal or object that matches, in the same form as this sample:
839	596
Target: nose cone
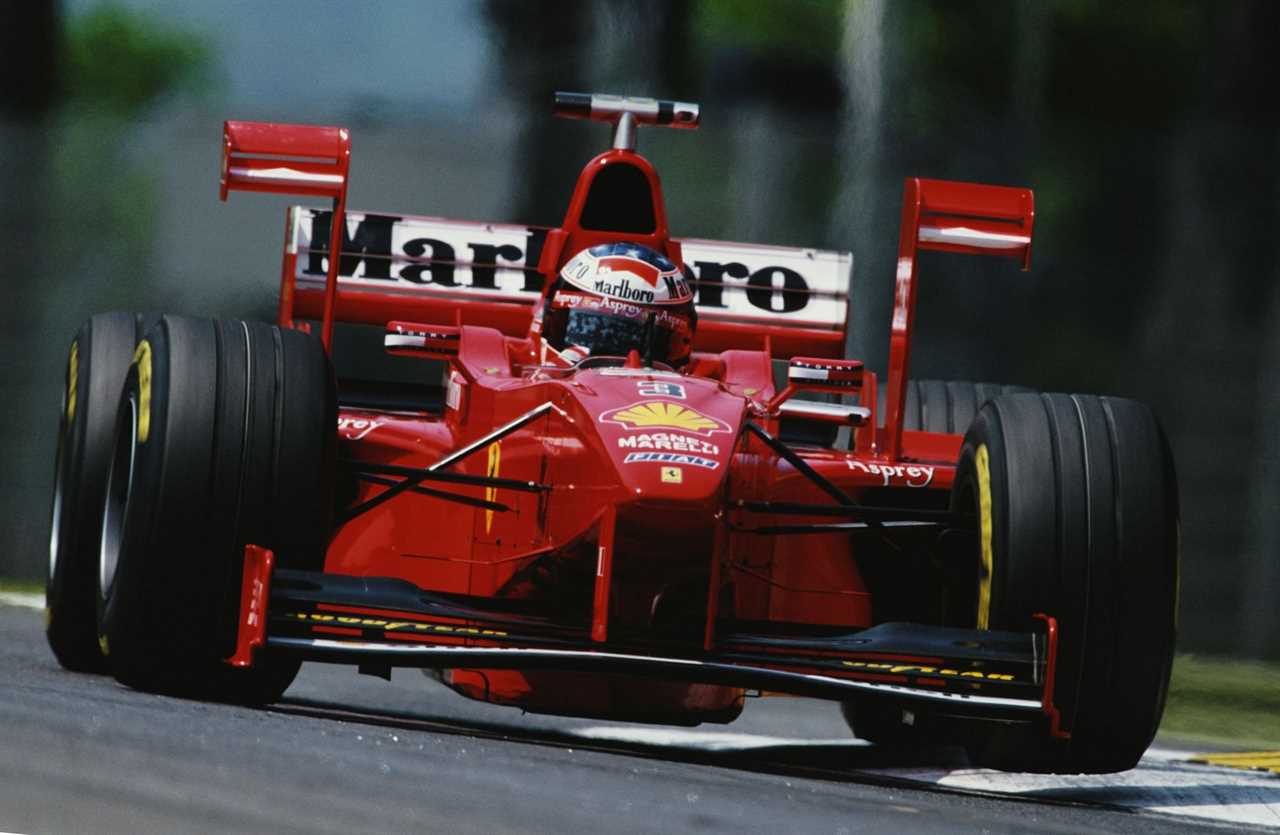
669	437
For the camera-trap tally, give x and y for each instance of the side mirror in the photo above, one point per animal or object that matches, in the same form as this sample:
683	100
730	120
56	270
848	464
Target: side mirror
432	342
822	375
830	376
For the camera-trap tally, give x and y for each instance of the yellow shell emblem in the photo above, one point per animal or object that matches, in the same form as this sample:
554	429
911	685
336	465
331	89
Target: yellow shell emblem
660	414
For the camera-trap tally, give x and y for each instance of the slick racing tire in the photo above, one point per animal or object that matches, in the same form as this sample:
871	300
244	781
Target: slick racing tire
96	367
224	436
943	405
1076	508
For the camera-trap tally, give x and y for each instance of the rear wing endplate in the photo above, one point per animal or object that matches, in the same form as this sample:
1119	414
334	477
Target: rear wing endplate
291	159
950	217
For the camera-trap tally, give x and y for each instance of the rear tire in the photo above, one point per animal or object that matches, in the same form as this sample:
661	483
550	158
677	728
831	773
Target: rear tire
224	437
1076	504
96	365
944	405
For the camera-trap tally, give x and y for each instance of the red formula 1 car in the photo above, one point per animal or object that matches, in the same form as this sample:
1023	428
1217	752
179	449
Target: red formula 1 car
609	508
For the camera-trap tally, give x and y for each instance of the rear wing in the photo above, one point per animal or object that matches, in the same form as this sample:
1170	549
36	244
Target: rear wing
949	217
437	271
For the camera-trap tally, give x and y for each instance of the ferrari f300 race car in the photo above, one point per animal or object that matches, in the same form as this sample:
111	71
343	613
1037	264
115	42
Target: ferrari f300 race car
598	499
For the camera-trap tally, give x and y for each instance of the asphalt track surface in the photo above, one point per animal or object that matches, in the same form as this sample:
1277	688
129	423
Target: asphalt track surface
346	753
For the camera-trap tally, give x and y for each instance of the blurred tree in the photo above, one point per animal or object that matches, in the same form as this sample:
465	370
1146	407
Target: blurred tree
1155	164
28	88
640	48
119	63
800	31
862	212
1241	179
543	47
782	51
28	69
78	212
124	60
644	48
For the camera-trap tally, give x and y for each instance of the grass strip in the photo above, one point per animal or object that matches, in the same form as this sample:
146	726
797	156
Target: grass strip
21	586
1223	701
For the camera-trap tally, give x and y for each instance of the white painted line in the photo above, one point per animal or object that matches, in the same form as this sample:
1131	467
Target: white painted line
1163	782
705	740
27	600
1158	784
1170	754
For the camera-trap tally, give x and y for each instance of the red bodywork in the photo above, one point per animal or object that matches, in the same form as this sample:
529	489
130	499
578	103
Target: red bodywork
630	507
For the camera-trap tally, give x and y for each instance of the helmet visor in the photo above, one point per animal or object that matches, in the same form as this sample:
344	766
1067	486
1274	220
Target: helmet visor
602	327
606	334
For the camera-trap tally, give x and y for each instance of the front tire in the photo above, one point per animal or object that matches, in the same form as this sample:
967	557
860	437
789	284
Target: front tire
224	437
1076	509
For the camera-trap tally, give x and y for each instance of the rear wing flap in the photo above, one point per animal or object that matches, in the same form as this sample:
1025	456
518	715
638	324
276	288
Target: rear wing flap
970	218
438	271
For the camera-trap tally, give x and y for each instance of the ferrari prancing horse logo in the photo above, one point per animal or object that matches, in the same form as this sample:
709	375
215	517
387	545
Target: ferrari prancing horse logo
661	414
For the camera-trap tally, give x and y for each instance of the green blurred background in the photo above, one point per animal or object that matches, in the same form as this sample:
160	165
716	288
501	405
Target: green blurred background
1150	132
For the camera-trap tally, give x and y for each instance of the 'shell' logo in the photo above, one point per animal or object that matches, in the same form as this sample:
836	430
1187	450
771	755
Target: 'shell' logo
660	414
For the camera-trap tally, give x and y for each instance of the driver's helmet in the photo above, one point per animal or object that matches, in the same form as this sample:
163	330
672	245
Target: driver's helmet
613	298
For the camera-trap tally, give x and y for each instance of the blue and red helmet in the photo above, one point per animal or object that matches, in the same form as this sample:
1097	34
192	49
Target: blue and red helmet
614	298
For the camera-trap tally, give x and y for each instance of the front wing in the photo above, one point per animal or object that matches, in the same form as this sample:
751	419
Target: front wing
380	623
